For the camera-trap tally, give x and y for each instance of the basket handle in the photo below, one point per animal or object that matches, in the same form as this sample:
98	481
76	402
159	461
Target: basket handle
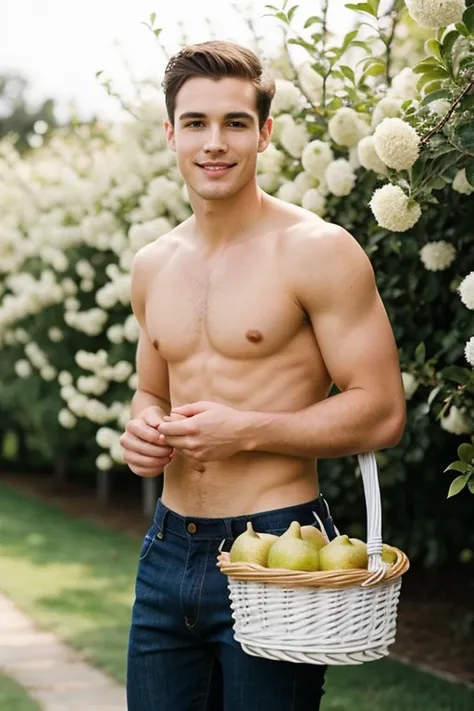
370	479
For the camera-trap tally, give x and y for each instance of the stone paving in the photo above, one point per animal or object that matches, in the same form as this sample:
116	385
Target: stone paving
52	673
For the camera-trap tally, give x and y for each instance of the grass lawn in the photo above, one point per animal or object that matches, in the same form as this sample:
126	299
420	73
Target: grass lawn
13	697
77	578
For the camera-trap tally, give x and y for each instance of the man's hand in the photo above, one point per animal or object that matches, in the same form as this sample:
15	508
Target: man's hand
142	450
207	432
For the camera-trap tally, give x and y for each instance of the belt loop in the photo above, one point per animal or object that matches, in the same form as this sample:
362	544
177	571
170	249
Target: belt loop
160	518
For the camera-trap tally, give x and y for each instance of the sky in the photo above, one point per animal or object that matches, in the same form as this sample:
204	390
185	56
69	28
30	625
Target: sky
59	45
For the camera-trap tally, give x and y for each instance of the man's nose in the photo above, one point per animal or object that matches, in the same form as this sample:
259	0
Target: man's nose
215	142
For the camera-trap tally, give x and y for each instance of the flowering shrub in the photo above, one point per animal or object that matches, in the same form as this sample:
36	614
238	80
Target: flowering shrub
385	150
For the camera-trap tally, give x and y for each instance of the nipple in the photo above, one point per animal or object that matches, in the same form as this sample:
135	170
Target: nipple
155	345
254	336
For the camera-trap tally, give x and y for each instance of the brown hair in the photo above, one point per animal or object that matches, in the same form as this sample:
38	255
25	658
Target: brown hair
217	59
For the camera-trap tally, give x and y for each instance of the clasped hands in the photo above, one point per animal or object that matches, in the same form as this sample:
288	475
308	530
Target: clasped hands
204	431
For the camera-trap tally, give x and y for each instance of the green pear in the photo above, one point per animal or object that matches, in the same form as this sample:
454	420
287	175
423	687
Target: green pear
342	554
313	535
358	542
291	552
389	554
268	537
250	548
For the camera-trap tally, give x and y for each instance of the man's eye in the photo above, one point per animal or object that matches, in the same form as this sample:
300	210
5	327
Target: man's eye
238	124
193	123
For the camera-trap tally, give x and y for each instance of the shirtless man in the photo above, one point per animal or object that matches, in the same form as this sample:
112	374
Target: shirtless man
249	311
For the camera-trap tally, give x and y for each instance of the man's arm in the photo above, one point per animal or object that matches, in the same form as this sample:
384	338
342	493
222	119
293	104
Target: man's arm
334	282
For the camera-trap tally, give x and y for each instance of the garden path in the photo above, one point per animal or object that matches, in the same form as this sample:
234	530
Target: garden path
54	675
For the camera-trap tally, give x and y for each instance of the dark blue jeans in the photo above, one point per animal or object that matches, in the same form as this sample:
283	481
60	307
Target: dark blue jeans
182	655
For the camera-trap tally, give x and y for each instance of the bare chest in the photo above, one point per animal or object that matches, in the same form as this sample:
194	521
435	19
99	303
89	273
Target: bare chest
237	306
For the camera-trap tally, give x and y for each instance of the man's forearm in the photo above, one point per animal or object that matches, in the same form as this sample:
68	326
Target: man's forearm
143	399
344	424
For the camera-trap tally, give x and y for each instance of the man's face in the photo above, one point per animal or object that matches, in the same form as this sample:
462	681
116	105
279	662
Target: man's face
216	135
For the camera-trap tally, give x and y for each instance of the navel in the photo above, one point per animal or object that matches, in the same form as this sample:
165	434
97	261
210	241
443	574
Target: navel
254	336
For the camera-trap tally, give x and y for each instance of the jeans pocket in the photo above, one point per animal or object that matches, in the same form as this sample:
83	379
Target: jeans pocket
148	541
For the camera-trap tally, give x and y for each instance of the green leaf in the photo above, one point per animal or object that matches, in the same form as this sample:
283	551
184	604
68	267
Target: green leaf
457	485
470	173
348	39
448	40
375	70
152	18
311	21
426	64
462	29
420	353
348	72
434	96
470	485
466	452
468	19
456	374
292	11
282	16
362	7
465	133
458	467
432	46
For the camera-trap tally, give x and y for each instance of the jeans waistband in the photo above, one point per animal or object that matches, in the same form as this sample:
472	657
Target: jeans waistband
220	528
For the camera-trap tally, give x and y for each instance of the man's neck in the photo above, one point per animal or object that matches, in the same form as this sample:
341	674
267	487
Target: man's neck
222	222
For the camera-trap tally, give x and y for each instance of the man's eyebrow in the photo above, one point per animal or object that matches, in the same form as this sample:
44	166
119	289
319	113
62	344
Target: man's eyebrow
230	115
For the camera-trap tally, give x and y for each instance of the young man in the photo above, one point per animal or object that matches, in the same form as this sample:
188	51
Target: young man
249	311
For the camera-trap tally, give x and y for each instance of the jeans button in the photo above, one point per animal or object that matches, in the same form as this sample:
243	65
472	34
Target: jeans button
191	528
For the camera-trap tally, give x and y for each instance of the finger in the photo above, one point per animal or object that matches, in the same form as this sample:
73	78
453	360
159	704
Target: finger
152	416
191	409
138	460
134	444
180	442
138	428
177	429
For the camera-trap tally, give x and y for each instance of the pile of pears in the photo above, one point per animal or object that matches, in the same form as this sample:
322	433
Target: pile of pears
303	548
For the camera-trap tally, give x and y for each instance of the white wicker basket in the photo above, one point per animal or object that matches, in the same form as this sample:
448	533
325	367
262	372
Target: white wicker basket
333	617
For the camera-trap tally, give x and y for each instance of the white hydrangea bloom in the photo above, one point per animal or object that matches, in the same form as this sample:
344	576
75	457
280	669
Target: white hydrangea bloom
456	422
404	86
115	334
122	370
132	382
84	269
269	182
124	416
287	96
353	158
397	143
105	436
131	329
339	177
433	14
304	181
65	378
393	210
368	156
461	183
67	392
314	201
21	335
96	411
294	137
437	256
23	368
289	192
310	81
439	107
271	160
469	351
69	287
104	462
66	419
279	124
346	128
316	157
410	385
55	334
466	291
48	373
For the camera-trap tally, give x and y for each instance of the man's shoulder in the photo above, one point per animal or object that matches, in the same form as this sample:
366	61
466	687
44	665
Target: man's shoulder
154	254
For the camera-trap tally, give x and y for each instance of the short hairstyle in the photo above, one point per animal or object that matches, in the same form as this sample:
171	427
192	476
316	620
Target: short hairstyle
217	59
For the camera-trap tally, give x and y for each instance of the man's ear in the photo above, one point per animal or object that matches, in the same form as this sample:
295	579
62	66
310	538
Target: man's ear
265	134
169	130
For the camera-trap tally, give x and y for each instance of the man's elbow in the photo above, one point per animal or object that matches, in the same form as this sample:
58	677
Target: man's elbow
394	428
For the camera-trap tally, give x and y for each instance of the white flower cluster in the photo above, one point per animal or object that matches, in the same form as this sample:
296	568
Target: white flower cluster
346	127
461	183
434	14
397	143
90	322
466	291
340	177
29	296
287	96
410	385
469	351
437	256
456	422
393	210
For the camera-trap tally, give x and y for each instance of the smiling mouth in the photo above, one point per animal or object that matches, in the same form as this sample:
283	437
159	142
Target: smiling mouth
216	169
